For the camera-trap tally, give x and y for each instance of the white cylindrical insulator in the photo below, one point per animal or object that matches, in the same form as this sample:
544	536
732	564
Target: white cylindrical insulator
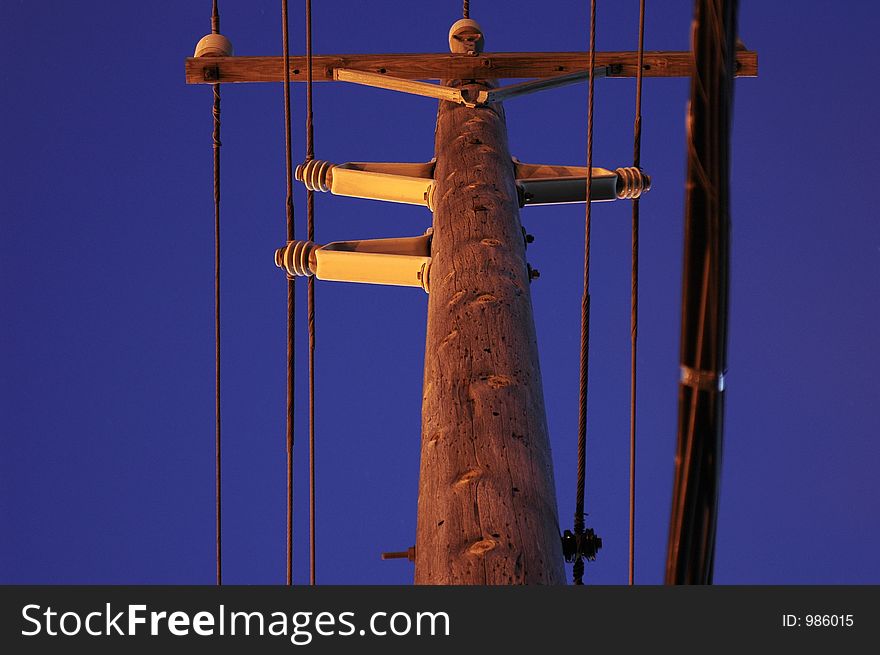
631	182
315	174
295	258
214	45
466	36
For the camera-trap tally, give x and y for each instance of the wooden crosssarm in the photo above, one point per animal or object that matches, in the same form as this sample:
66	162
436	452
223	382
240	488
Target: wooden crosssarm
447	66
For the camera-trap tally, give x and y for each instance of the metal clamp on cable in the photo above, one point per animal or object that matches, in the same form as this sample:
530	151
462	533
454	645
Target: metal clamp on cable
702	380
580	546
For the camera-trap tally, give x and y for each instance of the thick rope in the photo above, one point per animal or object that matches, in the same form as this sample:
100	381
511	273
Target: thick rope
310	210
291	293
215	29
634	317
579	520
466	9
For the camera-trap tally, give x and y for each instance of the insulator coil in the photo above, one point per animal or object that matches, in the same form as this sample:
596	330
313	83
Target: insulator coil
294	258
315	174
631	182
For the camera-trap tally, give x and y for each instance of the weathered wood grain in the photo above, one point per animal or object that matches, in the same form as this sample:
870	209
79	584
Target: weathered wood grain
208	70
487	502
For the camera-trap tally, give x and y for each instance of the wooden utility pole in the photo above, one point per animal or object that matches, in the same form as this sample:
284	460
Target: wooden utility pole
487	502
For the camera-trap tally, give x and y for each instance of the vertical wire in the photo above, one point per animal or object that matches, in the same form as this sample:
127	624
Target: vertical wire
291	295
215	29
579	522
634	316
310	209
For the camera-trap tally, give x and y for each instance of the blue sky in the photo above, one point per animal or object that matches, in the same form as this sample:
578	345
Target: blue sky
106	274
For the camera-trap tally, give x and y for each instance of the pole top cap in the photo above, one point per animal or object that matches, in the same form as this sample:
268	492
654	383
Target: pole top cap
466	36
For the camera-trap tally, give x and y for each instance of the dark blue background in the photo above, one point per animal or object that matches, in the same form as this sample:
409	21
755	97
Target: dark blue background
106	273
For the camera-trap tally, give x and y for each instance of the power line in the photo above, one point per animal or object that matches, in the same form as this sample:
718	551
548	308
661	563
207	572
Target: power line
215	29
310	210
579	517
291	294
634	316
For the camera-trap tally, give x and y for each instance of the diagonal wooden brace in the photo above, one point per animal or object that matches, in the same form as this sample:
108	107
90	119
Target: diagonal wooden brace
524	88
460	96
438	91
